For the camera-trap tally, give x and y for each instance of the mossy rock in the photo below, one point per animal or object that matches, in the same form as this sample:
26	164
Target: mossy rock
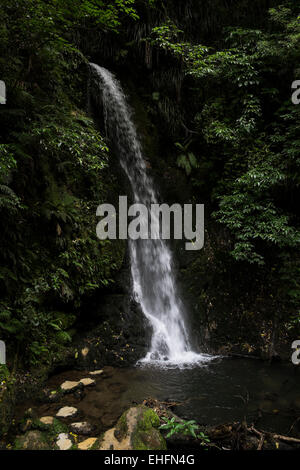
148	440
146	436
32	440
135	430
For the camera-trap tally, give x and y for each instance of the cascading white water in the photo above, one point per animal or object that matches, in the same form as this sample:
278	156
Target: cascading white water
151	260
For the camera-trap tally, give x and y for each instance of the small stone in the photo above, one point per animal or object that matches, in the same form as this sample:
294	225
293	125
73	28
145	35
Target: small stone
69	386
47	420
87	444
83	428
96	372
66	412
85	352
87	382
63	441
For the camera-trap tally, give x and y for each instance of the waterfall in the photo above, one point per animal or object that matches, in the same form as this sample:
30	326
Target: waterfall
154	286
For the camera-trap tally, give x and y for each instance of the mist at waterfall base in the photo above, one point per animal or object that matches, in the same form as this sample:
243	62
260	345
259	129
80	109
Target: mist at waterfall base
153	282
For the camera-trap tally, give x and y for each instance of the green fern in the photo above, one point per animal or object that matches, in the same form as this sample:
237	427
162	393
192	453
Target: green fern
8	199
186	160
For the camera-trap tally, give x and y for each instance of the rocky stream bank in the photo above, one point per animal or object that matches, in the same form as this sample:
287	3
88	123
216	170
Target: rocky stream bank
79	410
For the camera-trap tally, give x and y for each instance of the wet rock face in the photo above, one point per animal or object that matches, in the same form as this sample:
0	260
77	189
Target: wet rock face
115	329
121	340
135	430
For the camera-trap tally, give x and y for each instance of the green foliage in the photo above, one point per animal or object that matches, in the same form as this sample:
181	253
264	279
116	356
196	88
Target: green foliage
240	115
4	375
164	37
9	201
53	174
187	428
107	14
232	96
7	161
186	160
251	215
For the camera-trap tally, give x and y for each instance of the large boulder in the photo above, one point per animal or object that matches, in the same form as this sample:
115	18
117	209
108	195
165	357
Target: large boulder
135	430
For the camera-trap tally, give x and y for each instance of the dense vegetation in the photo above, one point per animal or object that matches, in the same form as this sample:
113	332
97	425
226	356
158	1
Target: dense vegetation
214	81
241	146
53	176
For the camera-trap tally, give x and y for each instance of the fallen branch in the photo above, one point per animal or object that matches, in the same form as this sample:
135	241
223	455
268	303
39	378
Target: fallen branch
261	436
279	437
286	438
